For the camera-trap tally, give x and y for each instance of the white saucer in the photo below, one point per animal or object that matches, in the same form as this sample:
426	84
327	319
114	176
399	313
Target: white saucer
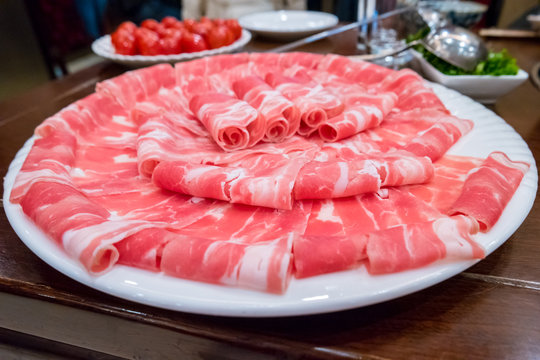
288	24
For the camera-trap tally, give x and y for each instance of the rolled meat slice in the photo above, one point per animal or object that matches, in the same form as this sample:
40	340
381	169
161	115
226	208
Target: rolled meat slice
360	174
435	141
264	266
261	180
50	159
316	104
363	111
411	90
489	188
316	254
331	179
414	245
195	179
281	115
232	123
143	249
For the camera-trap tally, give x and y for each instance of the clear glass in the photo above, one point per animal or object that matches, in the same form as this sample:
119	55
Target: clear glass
384	40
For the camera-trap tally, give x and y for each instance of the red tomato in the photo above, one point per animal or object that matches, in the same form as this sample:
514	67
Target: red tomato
179	25
235	27
171	45
161	31
150	24
155	26
229	36
205	20
193	43
219	22
124	42
188	24
173	32
147	42
218	37
170	21
203	29
128	26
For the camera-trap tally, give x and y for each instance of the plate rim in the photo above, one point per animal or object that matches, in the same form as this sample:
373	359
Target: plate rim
121	281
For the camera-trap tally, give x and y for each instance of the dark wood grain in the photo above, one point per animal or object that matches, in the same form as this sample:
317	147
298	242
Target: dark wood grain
489	312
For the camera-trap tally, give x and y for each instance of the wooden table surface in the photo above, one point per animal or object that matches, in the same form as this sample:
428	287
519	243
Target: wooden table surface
491	311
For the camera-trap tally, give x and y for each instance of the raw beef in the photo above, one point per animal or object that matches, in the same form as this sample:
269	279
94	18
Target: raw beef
135	86
233	123
488	189
316	104
281	115
164	169
415	245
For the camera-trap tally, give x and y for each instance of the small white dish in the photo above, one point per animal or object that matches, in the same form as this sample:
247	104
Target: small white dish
104	48
534	20
482	88
460	13
288	24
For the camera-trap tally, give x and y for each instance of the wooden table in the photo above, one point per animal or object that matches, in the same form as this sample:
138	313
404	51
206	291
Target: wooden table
491	311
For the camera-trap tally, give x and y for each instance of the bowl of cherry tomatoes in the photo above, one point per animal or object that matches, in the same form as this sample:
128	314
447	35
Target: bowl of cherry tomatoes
170	40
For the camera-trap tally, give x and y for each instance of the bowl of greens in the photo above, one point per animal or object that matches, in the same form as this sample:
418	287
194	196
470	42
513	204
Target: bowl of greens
492	78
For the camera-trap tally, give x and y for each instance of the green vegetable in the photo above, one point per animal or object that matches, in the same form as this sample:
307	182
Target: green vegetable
497	63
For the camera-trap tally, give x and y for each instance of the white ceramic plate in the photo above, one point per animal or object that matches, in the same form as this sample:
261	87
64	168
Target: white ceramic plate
320	294
104	48
483	88
288	24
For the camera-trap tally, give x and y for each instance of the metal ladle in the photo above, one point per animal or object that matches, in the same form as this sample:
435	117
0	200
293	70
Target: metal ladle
453	44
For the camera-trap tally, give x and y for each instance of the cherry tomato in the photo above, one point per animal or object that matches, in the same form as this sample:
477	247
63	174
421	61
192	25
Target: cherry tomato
171	45
219	22
173	32
147	41
170	21
128	26
188	24
172	36
124	42
218	37
203	29
178	25
229	35
193	43
155	26
150	24
205	20
162	31
235	27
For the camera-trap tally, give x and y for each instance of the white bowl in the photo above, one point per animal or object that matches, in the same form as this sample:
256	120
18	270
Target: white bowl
288	24
482	88
460	13
534	20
